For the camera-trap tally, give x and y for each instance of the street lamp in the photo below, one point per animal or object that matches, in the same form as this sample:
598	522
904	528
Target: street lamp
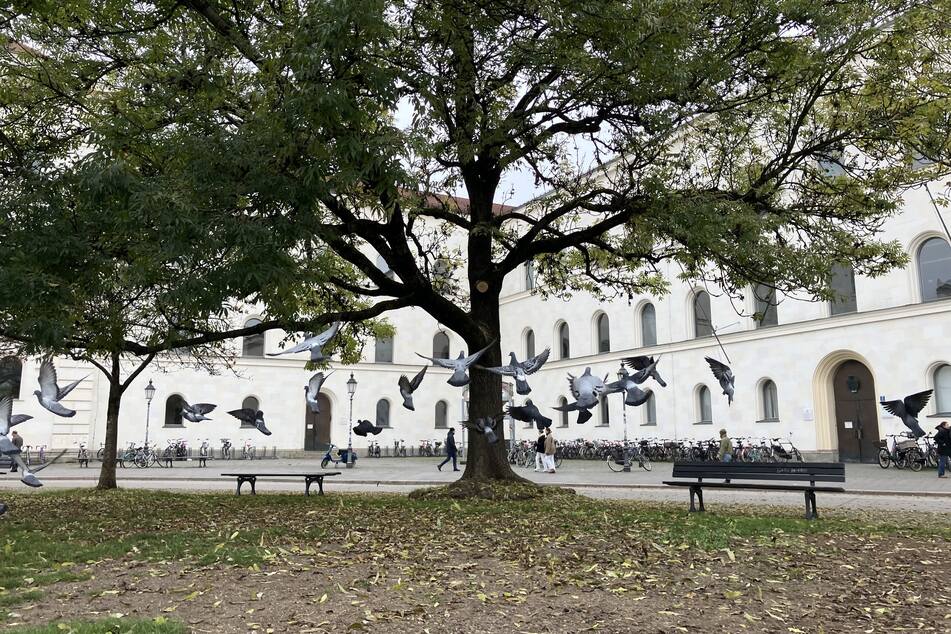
149	395
351	390
621	373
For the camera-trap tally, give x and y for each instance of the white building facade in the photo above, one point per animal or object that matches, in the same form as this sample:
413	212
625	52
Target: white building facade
809	372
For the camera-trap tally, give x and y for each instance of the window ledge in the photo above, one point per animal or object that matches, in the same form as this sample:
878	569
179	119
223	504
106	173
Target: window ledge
768	420
939	415
603	425
704	422
648	424
173	426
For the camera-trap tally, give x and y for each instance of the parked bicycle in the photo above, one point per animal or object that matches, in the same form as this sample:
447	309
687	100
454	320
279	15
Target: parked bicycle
901	453
226	450
248	452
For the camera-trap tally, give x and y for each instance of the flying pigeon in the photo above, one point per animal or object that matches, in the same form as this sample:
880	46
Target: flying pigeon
407	388
724	375
521	370
252	416
459	365
586	389
313	344
633	395
50	394
529	413
7	448
485	426
312	390
364	427
908	410
196	413
646	367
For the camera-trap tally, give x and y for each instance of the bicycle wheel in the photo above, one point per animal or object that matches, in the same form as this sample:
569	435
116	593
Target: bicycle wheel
613	464
646	463
884	459
99	453
324	463
796	455
558	461
915	460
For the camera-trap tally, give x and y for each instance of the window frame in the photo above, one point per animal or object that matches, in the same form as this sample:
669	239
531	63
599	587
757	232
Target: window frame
377	346
178	420
442	333
701	391
388	409
603	339
697	295
10	360
445	414
260	337
645	341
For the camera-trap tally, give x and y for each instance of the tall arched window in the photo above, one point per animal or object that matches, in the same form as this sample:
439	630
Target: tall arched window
843	286
770	400
648	326
564	341
11	375
441	345
704	406
650	410
442	409
529	276
383	351
173	411
384	266
934	269
253	345
562	402
605	411
529	344
765	298
942	389
382	413
250	402
702	322
604	334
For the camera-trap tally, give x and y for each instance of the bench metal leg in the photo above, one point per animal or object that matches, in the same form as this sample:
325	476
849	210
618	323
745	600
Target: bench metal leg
811	512
249	479
202	462
696	491
308	480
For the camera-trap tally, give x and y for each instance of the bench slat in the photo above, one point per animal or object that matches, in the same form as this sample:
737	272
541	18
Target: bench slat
741	485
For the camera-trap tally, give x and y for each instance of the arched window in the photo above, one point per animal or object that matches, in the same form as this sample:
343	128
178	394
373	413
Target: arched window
770	400
934	269
648	326
11	375
441	345
843	286
173	411
605	411
383	413
564	341
253	345
382	264
529	344
562	402
383	351
942	389
765	297
650	410
529	276
604	334
704	406
250	402
702	323
442	410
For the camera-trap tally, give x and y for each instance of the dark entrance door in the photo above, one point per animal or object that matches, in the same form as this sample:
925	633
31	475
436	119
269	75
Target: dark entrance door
856	413
317	427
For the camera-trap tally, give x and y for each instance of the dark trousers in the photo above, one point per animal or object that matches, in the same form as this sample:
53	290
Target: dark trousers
448	458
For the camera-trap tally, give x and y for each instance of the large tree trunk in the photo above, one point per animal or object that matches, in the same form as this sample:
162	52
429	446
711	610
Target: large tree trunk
485	461
107	473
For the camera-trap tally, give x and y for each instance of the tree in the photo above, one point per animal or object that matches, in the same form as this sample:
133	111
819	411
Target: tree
751	142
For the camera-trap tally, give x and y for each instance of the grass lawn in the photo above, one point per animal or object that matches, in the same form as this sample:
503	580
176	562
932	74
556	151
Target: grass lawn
156	562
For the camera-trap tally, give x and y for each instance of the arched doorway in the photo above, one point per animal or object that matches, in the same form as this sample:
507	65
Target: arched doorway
856	412
317	426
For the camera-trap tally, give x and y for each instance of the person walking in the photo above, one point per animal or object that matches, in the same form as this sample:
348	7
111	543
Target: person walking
17	441
726	448
943	440
550	446
540	452
450	450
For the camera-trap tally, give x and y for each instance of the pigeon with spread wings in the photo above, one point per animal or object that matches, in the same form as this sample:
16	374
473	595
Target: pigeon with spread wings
50	394
587	390
312	391
908	409
253	417
724	375
633	395
459	366
407	388
196	413
644	368
364	427
529	413
484	426
521	369
312	344
7	420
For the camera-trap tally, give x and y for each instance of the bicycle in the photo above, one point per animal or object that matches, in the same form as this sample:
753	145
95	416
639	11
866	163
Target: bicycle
247	451
626	456
226	451
82	456
902	454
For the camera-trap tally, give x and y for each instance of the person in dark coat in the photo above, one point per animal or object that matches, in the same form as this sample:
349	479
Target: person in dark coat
942	439
540	452
450	450
17	441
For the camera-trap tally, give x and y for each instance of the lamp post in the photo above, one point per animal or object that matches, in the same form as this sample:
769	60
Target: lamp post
621	373
351	390
149	395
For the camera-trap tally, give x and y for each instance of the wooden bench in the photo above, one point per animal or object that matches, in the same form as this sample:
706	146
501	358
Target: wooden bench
765	472
309	479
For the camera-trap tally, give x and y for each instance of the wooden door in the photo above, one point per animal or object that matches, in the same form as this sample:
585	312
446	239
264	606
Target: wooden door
317	426
856	413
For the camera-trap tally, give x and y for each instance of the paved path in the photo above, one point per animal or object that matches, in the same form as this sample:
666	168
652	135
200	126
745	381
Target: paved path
868	486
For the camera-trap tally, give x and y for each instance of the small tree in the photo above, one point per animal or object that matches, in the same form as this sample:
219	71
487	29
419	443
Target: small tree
755	142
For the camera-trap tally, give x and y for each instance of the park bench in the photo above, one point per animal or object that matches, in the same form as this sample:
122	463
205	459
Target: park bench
763	473
309	479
